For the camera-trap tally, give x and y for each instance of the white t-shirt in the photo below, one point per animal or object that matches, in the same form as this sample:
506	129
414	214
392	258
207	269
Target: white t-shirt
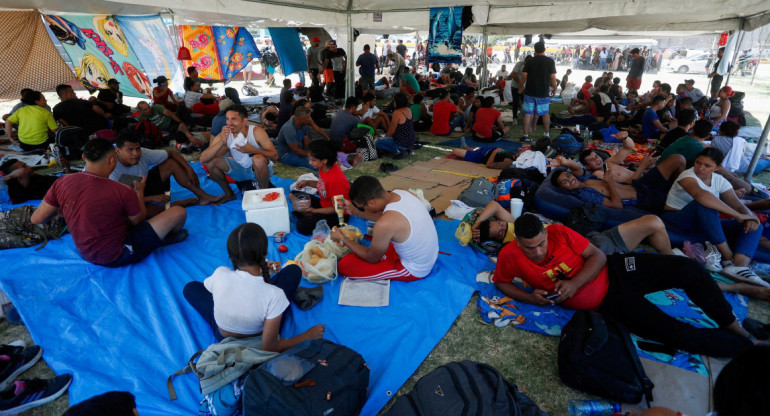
369	113
733	148
243	159
191	98
678	197
419	252
243	302
501	73
149	158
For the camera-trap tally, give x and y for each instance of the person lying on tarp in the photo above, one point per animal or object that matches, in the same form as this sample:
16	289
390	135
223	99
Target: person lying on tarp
564	268
24	184
404	239
107	218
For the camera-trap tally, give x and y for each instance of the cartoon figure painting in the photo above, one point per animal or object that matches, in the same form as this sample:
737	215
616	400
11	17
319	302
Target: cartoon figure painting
108	27
92	73
137	78
65	31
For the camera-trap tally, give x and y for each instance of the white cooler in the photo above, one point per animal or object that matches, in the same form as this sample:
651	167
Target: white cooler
272	216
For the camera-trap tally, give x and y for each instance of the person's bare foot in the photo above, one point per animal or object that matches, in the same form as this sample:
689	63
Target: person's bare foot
224	199
184	203
356	160
209	199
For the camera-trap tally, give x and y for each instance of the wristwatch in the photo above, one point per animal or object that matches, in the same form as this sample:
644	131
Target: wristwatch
342	241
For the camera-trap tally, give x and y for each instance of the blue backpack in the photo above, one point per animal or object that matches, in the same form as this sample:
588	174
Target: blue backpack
567	144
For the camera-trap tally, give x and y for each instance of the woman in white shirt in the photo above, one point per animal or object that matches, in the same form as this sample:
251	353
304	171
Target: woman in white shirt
244	301
694	203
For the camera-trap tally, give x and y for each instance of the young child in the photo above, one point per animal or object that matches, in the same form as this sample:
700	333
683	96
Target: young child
244	301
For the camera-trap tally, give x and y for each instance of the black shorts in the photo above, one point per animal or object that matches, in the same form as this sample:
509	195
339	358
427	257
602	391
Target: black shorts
651	191
155	184
140	242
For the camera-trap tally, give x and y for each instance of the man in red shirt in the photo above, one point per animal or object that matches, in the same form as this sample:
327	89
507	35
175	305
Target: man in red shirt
105	217
443	111
565	268
488	127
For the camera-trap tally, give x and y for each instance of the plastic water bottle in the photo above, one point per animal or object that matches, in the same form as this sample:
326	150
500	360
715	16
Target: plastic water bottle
592	408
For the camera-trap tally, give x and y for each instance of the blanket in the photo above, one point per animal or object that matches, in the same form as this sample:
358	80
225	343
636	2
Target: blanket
502	311
130	328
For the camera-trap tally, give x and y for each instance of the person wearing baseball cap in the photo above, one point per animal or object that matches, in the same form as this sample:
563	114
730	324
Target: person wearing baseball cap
110	99
314	59
334	64
162	94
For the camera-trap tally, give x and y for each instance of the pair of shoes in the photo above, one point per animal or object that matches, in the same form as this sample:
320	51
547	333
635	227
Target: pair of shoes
757	329
16	360
388	167
744	274
401	154
525	139
27	394
176	237
15	147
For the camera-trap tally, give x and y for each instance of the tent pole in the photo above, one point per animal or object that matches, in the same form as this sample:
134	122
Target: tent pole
484	58
735	55
761	50
759	151
350	79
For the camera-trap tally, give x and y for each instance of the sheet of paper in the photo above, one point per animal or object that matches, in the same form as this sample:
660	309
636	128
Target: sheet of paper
367	293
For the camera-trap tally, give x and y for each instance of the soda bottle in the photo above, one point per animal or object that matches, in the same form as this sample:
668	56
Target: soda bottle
592	408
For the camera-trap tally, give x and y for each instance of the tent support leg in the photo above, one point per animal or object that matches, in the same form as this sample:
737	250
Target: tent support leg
759	151
350	79
735	55
484	81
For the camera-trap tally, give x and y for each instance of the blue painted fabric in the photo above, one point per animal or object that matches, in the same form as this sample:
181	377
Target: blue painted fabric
446	35
235	47
289	49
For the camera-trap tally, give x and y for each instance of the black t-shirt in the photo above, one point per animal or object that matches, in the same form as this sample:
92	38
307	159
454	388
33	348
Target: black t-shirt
80	113
110	96
672	136
327	53
637	68
401	49
316	93
539	70
37	188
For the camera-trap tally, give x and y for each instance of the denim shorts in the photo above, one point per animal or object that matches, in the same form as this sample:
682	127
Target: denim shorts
536	104
238	173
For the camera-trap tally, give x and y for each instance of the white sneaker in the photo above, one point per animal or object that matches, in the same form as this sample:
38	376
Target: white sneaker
745	275
713	258
15	147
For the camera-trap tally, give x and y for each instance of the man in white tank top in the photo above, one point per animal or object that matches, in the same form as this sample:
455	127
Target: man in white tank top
241	151
404	240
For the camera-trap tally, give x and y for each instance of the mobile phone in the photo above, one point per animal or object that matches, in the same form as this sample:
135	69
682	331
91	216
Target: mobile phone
553	296
127	179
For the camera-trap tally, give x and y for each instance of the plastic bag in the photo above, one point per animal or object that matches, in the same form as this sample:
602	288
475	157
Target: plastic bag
421	196
457	210
695	251
321	231
464	234
307	189
325	267
339	250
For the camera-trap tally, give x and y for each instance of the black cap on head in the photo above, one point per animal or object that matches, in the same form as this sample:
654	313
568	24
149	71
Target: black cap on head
113	81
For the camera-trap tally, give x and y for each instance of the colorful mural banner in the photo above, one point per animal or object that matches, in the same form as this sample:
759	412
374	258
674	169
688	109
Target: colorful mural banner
236	48
289	49
99	51
154	48
446	35
203	50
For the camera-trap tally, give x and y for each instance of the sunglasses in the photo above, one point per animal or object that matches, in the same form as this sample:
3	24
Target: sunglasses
360	208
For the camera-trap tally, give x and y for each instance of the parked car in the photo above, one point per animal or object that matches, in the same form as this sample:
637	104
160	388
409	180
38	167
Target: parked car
694	62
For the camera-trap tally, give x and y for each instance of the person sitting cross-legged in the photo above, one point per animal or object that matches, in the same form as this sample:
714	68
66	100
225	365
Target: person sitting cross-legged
134	160
558	261
404	239
242	151
107	218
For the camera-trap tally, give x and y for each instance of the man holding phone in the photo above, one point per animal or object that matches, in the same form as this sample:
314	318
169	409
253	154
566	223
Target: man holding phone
107	218
559	263
134	161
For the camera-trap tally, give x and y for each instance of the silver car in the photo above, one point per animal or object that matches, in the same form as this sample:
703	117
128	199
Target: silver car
695	63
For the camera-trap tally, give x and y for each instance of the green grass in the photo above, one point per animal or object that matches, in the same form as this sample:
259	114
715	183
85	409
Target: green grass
524	358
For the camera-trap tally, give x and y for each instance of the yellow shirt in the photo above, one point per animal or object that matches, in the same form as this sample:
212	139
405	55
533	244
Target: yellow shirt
509	234
33	123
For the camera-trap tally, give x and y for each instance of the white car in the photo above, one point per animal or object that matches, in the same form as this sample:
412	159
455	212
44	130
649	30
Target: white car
696	63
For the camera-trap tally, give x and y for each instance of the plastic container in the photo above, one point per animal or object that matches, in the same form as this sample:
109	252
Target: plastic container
302	202
592	408
255	199
272	216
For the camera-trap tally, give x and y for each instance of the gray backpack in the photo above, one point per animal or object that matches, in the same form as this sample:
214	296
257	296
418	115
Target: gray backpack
479	193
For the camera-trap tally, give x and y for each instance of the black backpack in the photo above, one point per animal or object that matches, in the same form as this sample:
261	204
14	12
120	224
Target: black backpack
315	377
586	219
70	140
597	356
464	388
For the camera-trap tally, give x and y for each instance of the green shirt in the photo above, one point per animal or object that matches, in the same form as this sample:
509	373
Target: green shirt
158	118
33	123
412	82
685	146
416	111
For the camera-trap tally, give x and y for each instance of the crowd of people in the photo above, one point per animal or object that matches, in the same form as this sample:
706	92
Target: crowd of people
119	211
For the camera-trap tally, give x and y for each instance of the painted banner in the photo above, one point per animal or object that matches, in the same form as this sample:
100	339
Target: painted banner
235	47
446	35
99	51
289	49
154	48
203	50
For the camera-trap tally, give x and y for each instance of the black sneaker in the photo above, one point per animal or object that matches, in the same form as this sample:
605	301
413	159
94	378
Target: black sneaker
27	394
525	139
16	360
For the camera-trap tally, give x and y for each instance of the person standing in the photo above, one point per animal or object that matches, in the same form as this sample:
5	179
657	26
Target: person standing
538	83
335	60
634	80
401	48
716	78
516	73
314	59
368	63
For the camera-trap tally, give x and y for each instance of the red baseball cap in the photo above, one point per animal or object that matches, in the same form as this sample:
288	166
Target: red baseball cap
315	39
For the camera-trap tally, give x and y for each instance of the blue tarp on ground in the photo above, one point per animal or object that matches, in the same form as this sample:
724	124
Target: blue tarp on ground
130	328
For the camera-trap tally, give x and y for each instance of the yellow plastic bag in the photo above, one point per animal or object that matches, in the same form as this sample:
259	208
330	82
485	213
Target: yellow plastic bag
464	234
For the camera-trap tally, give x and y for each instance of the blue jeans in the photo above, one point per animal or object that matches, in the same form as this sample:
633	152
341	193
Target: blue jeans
695	217
458	121
762	164
388	144
293	160
203	301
